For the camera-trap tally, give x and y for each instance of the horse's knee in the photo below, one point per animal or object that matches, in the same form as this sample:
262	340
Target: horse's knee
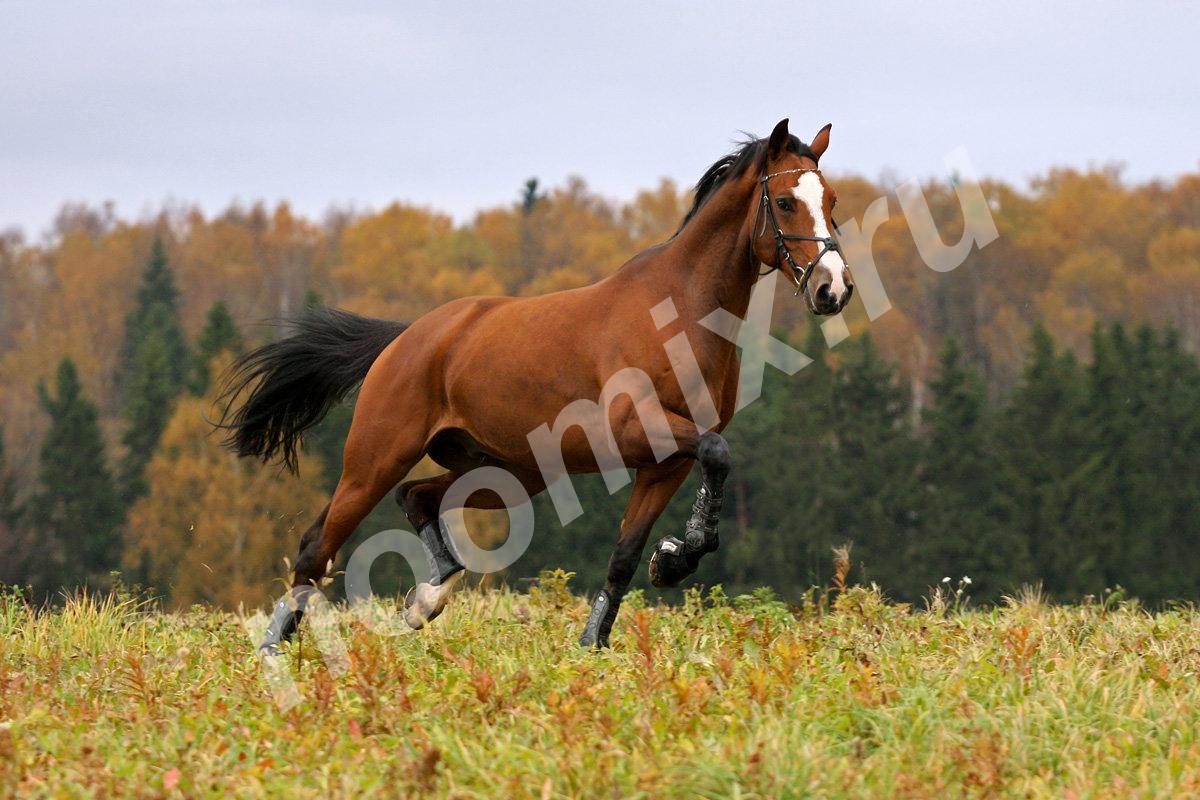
714	456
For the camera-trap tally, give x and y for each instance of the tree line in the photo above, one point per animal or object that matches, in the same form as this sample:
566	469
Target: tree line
1025	418
1081	480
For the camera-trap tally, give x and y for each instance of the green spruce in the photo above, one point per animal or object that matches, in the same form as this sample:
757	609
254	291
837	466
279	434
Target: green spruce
220	335
76	510
155	369
963	532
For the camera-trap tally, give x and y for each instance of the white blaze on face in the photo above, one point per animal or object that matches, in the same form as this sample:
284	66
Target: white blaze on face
811	193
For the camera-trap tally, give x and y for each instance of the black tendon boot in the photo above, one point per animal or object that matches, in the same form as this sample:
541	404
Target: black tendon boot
672	559
600	622
443	561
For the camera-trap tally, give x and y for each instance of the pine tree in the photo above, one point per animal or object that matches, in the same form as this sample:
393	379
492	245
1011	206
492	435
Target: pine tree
151	399
772	534
1171	453
963	533
529	196
866	494
13	543
76	510
1043	458
220	334
1102	514
156	311
155	367
10	507
1140	504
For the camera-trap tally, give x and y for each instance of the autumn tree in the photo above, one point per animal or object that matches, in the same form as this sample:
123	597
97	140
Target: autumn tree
1078	250
401	262
211	527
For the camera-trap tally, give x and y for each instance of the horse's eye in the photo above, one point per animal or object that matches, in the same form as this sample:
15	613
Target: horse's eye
784	204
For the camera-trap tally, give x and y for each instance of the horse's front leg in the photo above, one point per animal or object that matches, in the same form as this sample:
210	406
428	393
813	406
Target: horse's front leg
674	559
653	488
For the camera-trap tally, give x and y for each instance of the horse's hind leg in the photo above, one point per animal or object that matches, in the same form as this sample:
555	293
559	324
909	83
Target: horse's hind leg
369	473
673	559
653	488
421	501
288	611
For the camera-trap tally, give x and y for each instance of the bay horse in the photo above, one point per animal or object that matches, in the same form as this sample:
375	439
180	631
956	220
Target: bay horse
469	381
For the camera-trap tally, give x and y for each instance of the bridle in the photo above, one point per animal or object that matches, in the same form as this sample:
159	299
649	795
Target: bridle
828	243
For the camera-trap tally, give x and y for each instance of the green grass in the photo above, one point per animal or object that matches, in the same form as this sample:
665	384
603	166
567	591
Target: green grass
715	698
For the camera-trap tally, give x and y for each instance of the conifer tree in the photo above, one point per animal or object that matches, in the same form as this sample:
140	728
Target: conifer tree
779	442
963	533
76	510
220	334
1137	504
1170	453
1102	513
866	494
12	541
151	399
1041	448
155	367
156	311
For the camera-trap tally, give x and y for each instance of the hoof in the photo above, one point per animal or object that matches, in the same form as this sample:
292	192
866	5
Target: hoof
668	563
269	650
424	602
593	643
595	632
284	621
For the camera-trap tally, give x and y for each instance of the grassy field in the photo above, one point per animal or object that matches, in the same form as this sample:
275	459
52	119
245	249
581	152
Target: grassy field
720	697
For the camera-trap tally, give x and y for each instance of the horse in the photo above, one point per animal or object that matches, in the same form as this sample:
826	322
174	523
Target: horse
467	382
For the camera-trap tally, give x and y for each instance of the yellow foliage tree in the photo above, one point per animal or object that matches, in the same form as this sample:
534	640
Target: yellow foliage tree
214	528
1173	287
401	262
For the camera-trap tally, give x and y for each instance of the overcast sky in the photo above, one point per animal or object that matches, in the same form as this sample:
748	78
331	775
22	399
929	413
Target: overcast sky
454	105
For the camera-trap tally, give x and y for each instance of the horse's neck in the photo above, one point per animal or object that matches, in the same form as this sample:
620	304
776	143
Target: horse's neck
709	261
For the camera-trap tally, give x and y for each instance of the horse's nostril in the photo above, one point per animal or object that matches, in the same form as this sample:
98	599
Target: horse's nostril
823	292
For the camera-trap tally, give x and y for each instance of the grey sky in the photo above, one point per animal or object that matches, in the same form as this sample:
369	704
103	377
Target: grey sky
455	105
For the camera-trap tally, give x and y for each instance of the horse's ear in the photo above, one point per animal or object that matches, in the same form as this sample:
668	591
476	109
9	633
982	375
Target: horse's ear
820	142
779	139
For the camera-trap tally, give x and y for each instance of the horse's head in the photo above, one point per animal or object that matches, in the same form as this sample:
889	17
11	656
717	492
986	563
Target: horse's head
793	223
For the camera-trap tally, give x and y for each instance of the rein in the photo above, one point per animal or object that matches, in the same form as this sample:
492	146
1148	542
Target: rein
828	243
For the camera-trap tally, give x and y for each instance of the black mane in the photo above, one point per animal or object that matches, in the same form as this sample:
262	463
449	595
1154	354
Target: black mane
749	152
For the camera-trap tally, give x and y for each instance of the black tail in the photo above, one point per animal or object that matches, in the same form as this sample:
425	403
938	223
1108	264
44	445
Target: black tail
298	379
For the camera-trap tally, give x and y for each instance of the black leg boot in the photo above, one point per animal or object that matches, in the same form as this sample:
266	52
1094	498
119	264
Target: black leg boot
600	622
674	559
439	549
